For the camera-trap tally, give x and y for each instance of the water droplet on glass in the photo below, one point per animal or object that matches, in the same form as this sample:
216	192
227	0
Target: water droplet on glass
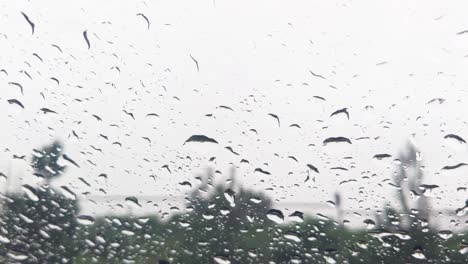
230	197
293	236
275	216
85	219
445	234
133	201
30	192
297	217
221	260
418	254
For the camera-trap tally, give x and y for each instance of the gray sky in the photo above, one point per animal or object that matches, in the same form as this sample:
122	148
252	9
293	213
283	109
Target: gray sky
383	60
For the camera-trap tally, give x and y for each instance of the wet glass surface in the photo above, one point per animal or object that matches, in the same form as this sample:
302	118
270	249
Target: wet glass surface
233	131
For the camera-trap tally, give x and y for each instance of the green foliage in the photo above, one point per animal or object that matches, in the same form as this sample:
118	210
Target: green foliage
221	226
40	227
121	239
222	223
40	230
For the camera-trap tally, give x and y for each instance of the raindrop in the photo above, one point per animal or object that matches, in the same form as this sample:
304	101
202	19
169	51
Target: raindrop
185	184
418	254
224	211
296	260
452	167
456	137
29	22
463	249
152	114
30	192
436	100
291	235
4	240
230	197
145	18
68	193
225	107
445	234
337	140
329	260
297	217
256	200
231	150
16	102
200	138
275	216
208	215
17	85
323	217
317	75
276	117
369	223
382	156
262	171
17	256
132	200
462	211
196	62
221	260
85	35
184	224
341	111
312	167
47	111
67	158
85	219
128	233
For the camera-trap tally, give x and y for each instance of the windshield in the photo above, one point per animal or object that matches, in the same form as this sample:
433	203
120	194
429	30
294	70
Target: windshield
241	131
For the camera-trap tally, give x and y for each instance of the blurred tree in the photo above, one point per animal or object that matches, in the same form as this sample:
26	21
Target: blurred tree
414	204
39	230
405	230
45	161
224	221
39	224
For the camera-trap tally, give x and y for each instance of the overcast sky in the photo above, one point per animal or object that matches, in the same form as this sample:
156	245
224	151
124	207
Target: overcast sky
300	60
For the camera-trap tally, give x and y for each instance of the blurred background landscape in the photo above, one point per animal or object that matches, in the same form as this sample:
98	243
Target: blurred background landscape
225	222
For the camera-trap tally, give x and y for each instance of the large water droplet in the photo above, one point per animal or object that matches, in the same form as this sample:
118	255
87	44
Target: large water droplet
30	192
85	219
230	197
275	216
221	260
